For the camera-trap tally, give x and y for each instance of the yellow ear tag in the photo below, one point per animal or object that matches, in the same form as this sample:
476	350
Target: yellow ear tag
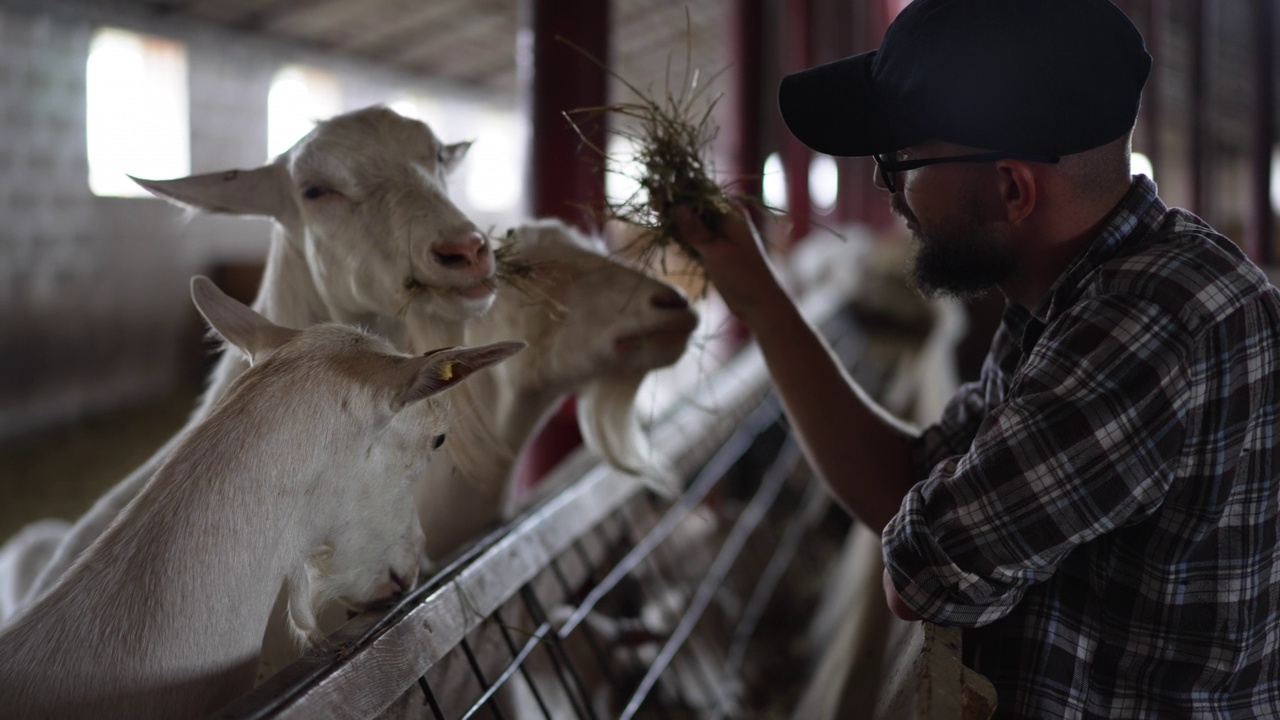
446	370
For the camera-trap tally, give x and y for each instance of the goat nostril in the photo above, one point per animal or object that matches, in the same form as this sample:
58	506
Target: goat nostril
398	582
464	252
671	300
454	259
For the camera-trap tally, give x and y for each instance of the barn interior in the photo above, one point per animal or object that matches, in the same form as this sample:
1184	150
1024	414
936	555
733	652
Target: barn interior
103	356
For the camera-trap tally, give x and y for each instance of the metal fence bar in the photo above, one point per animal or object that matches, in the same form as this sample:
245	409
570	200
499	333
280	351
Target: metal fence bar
728	553
488	689
733	448
763	592
519	656
561	659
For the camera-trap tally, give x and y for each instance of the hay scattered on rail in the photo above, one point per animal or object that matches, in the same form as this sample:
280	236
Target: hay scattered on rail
672	136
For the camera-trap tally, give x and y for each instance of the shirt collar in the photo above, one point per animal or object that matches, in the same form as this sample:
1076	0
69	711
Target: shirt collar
1129	224
1138	212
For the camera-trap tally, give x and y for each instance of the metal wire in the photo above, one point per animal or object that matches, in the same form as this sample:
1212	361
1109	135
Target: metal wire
479	673
558	656
715	576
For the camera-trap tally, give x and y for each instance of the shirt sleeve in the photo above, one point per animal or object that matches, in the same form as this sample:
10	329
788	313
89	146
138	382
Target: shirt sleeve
1085	442
954	431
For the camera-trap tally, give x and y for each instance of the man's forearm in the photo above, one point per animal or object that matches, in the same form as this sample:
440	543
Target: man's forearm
857	447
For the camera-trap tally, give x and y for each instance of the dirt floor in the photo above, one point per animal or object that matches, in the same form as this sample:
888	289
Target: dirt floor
61	472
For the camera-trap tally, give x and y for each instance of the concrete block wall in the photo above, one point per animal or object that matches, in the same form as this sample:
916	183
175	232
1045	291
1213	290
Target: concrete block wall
93	291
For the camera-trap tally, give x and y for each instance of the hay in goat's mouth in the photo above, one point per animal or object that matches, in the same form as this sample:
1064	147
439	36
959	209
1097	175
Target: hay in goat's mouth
507	270
521	275
507	267
672	136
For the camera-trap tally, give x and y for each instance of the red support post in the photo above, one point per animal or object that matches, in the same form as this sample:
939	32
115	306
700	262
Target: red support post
740	112
837	34
795	156
565	179
1258	238
1200	122
1152	100
874	202
740	144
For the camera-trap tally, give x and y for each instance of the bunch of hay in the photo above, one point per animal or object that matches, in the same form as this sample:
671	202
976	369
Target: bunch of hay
672	135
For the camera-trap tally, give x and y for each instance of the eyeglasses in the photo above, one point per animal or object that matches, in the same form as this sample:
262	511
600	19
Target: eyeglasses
888	166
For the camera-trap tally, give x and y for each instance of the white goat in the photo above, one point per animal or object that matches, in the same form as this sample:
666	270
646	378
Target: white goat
23	557
298	477
364	233
594	326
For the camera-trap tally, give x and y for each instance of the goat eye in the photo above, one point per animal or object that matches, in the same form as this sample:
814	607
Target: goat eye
436	442
311	192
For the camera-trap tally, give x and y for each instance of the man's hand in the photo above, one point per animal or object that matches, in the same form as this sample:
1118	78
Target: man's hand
735	262
896	605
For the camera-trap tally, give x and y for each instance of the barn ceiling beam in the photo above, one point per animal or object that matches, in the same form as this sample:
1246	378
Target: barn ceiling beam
267	15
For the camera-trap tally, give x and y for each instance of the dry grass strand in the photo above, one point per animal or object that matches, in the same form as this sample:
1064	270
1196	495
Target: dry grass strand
672	135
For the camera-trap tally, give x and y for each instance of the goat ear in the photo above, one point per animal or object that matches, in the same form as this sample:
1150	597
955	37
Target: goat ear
452	155
252	334
262	191
440	370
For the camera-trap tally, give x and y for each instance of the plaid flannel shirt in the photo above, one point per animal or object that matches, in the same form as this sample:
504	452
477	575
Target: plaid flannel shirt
1100	509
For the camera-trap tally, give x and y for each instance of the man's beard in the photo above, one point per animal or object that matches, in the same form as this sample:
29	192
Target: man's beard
963	260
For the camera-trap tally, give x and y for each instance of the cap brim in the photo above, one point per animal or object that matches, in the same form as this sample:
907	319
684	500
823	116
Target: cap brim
834	109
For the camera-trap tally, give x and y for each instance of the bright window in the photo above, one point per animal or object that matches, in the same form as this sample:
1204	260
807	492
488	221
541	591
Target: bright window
775	182
1275	179
136	120
493	179
1140	164
824	183
621	182
299	97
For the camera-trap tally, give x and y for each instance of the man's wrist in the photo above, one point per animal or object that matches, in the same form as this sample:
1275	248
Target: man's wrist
771	315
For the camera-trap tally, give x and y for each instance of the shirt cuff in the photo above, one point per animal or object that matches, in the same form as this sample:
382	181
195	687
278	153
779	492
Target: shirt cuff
930	582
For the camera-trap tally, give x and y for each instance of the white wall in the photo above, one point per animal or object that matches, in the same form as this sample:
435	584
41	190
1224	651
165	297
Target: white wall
93	291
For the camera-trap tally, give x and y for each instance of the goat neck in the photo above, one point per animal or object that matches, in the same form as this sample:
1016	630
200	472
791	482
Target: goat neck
130	596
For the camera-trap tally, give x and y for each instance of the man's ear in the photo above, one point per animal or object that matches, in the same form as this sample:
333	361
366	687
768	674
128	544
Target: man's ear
440	370
1019	189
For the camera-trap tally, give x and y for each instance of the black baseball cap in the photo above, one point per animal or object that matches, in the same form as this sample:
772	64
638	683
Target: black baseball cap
1050	77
